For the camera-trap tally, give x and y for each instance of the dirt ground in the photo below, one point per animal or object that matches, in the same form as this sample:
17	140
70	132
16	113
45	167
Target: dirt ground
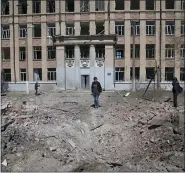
60	131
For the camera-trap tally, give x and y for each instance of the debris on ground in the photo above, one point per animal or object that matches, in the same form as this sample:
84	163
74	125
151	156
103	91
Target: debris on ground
61	132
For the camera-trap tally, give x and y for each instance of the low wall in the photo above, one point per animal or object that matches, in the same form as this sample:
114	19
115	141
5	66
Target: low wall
48	86
143	85
21	86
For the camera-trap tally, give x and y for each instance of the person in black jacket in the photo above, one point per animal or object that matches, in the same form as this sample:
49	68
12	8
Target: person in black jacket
96	89
177	89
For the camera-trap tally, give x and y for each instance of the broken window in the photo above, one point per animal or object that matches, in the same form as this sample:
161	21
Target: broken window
37	74
182	74
22	53
50	6
5	32
100	30
5	53
169	73
183	4
22	6
99	5
137	71
69	52
70	29
119	52
4	7
119	5
170	4
119	74
37	53
170	27
150	4
37	31
6	75
169	51
23	74
51	74
100	52
84	51
150	27
137	27
84	5
22	31
150	71
36	6
51	29
51	52
134	4
182	51
84	29
137	51
182	27
119	28
70	5
150	50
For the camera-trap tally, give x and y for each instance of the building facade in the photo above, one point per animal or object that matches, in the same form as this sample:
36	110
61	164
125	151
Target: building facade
65	43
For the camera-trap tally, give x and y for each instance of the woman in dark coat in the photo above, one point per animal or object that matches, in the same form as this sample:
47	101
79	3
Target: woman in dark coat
177	89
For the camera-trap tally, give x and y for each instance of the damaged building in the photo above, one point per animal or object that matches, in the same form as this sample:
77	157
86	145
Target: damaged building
64	43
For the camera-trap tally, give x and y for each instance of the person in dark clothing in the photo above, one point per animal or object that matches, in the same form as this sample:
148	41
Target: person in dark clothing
96	89
177	89
36	88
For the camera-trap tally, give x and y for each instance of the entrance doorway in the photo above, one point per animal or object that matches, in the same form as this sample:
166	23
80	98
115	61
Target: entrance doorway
85	82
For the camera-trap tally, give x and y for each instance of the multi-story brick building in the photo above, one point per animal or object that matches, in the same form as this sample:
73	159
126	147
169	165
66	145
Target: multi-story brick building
91	38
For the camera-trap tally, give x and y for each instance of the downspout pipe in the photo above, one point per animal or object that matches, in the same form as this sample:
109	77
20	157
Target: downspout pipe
13	23
160	38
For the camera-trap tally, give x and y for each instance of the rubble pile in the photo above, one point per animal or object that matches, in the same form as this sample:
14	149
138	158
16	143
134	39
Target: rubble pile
62	132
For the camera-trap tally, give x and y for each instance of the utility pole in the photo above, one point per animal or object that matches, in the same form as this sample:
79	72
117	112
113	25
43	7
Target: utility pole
133	59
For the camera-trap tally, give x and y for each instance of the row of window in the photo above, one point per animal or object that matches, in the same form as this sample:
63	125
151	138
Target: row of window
119	74
84	5
100	30
100	52
169	73
37	74
37	53
150	51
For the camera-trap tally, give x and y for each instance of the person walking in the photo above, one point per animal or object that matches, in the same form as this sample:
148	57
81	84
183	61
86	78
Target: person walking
96	89
177	89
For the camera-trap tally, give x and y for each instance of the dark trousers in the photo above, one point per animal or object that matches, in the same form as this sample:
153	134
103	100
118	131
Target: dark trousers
36	91
175	99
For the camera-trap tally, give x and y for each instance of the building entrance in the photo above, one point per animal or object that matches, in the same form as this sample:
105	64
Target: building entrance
85	82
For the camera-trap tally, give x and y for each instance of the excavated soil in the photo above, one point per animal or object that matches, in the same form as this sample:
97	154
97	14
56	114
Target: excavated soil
61	131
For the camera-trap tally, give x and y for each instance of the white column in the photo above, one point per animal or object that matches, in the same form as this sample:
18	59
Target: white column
77	66
60	56
92	62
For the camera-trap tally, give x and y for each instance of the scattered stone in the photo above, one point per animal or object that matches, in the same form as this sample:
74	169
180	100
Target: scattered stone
143	122
52	148
4	163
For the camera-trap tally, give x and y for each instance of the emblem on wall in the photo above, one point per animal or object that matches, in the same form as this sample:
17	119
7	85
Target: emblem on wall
70	63
100	63
85	63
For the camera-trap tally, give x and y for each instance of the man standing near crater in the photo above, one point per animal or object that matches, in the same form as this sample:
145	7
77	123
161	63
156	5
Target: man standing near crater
96	89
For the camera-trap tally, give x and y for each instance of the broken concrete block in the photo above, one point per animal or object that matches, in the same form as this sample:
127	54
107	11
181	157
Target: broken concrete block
52	148
159	120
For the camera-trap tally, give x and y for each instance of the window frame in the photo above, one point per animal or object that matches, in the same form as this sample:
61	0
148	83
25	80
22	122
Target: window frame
166	73
5	31
100	53
37	49
120	29
119	70
169	28
169	50
51	49
23	74
34	6
22	53
51	74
